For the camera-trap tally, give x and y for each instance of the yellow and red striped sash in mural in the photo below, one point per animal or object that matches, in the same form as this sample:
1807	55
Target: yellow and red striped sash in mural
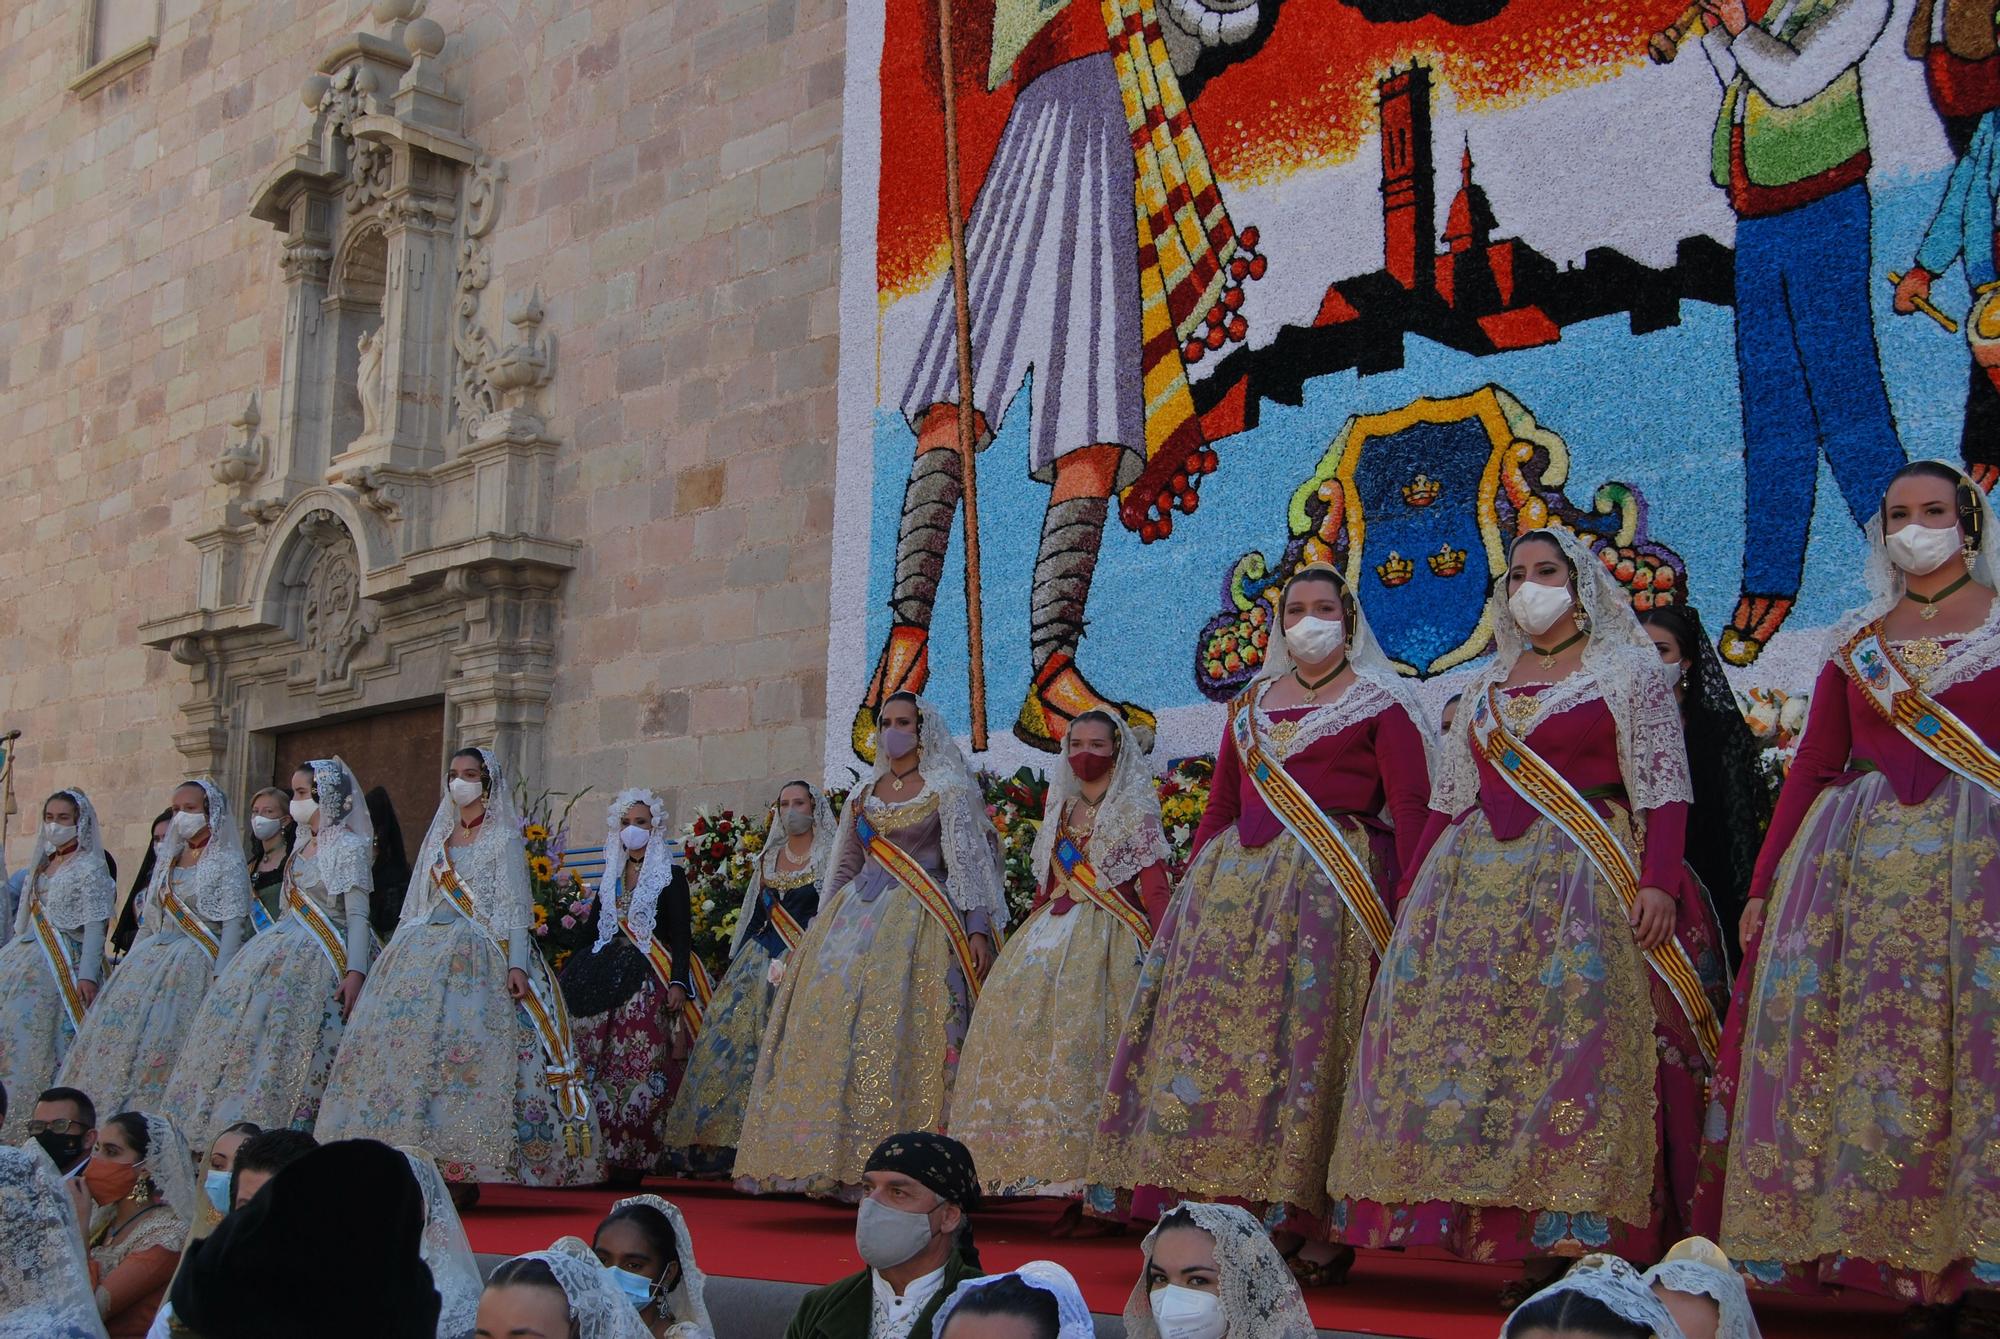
1079	877
323	932
1868	660
1555	799
700	988
56	955
543	1004
1310	827
904	869
191	924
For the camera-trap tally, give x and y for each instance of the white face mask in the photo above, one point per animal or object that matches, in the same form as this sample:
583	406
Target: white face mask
263	828
798	822
1537	607
1186	1313
303	811
634	837
887	1237
1676	672
58	835
187	825
1921	549
464	790
1315	640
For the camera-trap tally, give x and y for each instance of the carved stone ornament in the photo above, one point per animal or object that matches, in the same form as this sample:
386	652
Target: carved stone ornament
334	624
242	461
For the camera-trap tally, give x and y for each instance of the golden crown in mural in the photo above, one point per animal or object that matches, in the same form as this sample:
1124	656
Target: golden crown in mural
1422	491
1447	561
1395	570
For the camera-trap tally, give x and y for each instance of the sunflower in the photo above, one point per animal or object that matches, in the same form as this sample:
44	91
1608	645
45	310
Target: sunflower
541	915
541	867
535	832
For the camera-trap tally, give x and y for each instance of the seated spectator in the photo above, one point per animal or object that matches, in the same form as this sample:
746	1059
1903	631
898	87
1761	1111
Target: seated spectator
141	1179
219	1176
1039	1300
1211	1272
644	1246
454	1269
329	1248
1602	1297
1703	1292
64	1123
914	1234
562	1292
44	1274
263	1156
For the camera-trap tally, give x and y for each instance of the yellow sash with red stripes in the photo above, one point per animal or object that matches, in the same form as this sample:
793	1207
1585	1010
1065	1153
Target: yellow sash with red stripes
1555	799
323	932
191	924
700	988
1919	718
905	870
56	955
1310	827
543	1004
1079	877
786	924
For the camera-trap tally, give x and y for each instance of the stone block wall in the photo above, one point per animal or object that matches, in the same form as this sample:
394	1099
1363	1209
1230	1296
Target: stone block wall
672	175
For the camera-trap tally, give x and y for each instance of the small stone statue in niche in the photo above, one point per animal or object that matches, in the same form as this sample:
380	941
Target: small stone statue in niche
368	381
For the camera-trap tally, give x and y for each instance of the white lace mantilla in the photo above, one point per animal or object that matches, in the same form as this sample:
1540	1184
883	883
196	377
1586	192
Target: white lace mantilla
341	864
1966	656
1284	738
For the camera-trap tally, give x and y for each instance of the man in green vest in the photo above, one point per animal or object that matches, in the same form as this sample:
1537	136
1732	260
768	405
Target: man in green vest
1791	149
913	1233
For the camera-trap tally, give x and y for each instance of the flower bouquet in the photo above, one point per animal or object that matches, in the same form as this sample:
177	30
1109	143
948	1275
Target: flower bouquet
562	902
1014	803
1183	796
721	851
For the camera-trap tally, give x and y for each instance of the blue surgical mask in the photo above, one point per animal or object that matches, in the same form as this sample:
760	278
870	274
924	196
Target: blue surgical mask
216	1184
638	1289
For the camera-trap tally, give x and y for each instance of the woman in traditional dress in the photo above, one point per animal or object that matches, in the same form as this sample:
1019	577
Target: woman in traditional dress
1529	1076
1228	1079
44	1271
1732	804
1859	1093
461	1043
265	1038
1701	1289
1040	1293
1604	1298
196	913
782	899
646	1249
864	1035
267	847
1031	1081
631	992
560	1291
50	970
142	1180
1210	1269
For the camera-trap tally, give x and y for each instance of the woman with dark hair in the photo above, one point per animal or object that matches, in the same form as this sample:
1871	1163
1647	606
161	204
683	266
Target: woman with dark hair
1859	1091
266	846
141	1173
392	866
1040	1300
1211	1270
563	1293
1529	1079
1731	802
461	1044
127	928
1601	1298
783	897
265	1037
1227	1082
644	1246
864	1034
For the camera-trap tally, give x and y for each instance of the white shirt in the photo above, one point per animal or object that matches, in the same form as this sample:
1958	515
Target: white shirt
895	1316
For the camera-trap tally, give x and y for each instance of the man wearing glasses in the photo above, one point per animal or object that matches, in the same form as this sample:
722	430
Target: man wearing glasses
65	1125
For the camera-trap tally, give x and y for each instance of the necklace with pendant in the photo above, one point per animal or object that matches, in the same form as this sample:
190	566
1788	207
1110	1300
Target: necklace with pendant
1311	690
1548	656
1931	602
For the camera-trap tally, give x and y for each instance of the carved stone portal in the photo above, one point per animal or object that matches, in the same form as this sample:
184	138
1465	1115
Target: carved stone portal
386	539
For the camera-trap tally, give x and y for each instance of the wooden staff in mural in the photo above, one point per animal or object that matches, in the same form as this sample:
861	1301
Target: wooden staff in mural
1097	261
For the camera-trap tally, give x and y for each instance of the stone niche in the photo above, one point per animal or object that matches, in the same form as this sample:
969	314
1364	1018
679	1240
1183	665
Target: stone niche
386	539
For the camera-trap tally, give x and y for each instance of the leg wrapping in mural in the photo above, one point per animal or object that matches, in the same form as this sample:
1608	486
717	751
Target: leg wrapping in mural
930	501
1072	532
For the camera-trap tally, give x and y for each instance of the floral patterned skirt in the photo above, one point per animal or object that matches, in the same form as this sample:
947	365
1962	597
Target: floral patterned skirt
1038	1053
126	1049
35	1030
1525	1085
1859	1102
262	1041
1227	1080
862	1043
628	1060
708	1113
438	1056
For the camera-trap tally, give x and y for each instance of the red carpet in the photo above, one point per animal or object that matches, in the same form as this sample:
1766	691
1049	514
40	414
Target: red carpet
807	1241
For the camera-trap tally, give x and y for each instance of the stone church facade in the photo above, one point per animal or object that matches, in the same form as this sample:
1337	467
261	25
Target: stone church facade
468	364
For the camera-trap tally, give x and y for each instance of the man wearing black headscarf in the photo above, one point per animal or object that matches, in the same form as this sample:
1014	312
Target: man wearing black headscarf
330	1249
914	1234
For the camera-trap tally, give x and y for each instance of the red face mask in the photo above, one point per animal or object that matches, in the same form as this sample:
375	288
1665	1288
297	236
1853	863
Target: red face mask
1090	766
108	1181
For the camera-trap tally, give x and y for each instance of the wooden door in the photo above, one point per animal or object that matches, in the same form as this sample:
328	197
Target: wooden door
401	751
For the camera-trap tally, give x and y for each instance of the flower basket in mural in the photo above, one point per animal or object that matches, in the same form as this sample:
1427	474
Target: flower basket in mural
1416	506
562	900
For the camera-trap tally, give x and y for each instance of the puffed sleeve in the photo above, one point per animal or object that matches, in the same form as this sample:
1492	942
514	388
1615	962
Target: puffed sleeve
1821	760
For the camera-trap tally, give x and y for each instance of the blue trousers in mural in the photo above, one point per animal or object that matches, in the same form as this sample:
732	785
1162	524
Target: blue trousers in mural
1811	378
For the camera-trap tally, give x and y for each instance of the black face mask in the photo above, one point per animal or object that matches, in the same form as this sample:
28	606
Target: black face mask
64	1150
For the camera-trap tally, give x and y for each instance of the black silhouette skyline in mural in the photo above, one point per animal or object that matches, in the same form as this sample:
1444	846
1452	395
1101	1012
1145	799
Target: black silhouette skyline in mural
1478	293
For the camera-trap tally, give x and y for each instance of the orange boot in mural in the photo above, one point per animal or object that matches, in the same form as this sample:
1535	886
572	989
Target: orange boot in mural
1756	621
905	667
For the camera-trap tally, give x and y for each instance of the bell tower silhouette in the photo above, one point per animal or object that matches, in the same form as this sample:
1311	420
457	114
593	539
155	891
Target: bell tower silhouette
1409	181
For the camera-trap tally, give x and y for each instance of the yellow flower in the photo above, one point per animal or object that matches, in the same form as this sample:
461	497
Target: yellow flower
536	833
541	915
541	867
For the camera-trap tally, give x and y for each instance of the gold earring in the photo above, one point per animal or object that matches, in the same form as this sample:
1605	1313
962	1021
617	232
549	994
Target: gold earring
1582	619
